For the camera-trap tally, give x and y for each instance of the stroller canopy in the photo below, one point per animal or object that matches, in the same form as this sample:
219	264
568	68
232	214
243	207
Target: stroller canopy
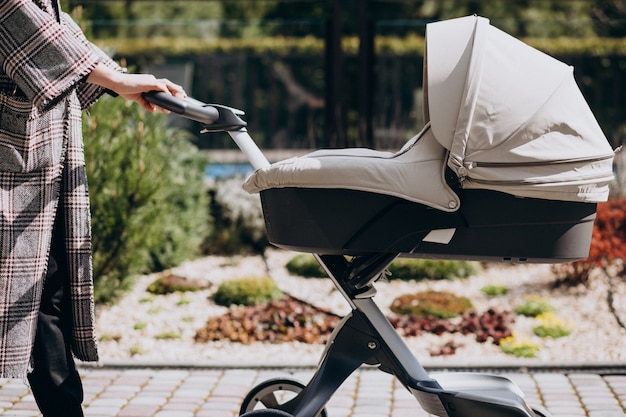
503	116
511	116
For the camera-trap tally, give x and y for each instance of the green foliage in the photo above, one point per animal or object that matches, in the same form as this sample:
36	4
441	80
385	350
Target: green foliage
148	198
534	306
582	18
247	291
494	290
408	268
440	304
520	348
169	283
149	18
168	335
552	326
411	45
305	265
555	332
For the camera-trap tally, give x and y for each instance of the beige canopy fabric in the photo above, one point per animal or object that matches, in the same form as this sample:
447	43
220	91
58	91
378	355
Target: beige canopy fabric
511	116
503	116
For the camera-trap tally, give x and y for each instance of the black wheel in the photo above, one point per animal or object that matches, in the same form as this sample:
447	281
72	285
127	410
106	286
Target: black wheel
271	394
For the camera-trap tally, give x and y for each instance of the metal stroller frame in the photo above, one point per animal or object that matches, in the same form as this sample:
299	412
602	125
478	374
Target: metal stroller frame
364	336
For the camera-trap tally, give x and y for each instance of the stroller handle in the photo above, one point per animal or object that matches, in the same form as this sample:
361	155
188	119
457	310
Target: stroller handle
188	108
214	118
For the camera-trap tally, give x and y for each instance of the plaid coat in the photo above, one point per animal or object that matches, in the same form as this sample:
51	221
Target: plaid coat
44	59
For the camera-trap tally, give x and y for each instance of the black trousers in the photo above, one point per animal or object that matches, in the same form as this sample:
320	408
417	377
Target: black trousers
55	382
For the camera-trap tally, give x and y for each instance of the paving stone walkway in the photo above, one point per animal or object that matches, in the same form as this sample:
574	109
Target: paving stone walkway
202	392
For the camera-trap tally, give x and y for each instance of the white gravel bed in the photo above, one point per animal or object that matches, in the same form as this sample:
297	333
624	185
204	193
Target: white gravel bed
146	328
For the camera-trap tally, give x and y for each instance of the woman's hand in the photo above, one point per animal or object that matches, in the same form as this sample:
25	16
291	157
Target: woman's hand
131	86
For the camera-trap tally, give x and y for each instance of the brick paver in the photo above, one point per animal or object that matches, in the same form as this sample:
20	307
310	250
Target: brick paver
202	392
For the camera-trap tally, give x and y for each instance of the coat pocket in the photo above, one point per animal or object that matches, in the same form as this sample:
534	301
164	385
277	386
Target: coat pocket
29	139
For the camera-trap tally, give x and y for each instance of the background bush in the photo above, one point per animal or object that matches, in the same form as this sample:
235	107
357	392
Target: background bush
148	196
408	268
534	306
439	304
305	265
247	291
238	224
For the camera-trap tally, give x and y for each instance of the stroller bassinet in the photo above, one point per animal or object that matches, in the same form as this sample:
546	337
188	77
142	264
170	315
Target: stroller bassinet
504	170
509	168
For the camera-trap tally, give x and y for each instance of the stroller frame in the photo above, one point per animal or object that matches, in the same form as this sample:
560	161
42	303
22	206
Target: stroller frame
364	336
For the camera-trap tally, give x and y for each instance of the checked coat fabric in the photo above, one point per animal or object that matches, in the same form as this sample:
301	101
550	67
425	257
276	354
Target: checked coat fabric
44	60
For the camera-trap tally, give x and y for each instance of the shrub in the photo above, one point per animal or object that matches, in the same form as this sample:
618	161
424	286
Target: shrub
408	268
520	348
608	244
439	304
494	290
534	306
285	320
169	283
238	220
168	335
305	265
148	198
491	325
552	326
247	291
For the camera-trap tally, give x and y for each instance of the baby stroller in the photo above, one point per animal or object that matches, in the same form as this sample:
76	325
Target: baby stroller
508	168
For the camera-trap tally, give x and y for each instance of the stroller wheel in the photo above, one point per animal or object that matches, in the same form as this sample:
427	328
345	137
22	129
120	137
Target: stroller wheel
268	396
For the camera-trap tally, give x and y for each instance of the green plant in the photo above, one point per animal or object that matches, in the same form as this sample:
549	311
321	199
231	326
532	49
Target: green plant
247	291
183	302
552	326
148	199
439	304
154	310
140	325
107	337
417	269
136	350
534	306
520	348
305	265
168	335
169	283
494	290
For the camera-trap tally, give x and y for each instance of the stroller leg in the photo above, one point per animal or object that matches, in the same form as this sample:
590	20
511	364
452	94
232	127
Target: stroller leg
455	395
348	348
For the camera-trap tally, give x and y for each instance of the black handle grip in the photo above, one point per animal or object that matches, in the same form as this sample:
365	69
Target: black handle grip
190	109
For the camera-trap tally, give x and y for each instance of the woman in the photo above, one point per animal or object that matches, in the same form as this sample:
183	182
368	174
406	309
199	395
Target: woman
49	73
